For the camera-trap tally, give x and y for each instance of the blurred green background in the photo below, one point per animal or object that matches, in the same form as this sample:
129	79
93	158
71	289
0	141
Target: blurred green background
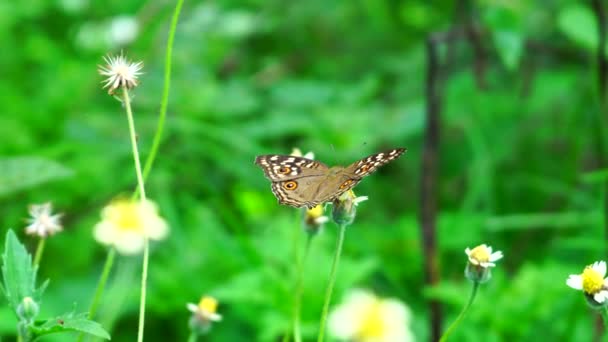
517	168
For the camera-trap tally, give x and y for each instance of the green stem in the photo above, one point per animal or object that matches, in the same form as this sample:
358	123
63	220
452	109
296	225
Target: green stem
462	313
142	196
140	180
193	337
39	251
332	280
604	313
101	285
164	101
297	335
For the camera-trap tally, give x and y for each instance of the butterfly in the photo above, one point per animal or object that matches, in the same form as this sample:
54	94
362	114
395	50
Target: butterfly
301	182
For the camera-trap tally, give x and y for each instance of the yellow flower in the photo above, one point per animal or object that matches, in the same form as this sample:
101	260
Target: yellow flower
206	310
314	219
125	224
591	281
203	315
120	73
363	317
42	222
482	256
481	260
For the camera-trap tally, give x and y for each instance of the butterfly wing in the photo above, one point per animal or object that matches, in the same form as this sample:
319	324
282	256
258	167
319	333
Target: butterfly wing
354	173
369	164
295	180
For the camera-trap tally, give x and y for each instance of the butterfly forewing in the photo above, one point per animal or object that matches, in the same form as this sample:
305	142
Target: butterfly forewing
369	164
280	167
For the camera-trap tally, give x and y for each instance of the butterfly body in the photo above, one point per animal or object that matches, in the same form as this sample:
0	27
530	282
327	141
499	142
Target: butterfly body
302	182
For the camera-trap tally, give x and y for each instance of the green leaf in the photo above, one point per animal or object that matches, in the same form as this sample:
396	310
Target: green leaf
71	322
19	275
509	45
19	173
578	23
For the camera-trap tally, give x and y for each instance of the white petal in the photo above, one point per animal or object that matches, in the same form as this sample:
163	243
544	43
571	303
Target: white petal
104	232
129	243
214	317
575	281
192	307
600	297
467	251
600	267
496	256
487	264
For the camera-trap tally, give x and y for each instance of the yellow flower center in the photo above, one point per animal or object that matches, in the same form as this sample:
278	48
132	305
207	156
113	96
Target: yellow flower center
592	280
127	217
480	253
315	212
372	325
208	304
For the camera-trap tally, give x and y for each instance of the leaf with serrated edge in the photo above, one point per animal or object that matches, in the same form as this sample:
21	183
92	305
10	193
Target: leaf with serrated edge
71	322
19	276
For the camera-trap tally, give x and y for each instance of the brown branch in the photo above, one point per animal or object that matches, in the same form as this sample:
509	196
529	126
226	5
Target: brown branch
428	195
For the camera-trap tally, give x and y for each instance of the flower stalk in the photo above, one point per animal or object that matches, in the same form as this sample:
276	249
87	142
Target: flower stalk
297	334
39	251
332	280
142	196
454	324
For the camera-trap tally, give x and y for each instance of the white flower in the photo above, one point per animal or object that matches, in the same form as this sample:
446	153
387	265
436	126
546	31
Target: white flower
206	310
591	281
482	256
120	72
41	222
363	317
297	153
126	224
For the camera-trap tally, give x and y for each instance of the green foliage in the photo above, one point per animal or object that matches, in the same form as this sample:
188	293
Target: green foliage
19	280
18	273
71	322
19	173
519	161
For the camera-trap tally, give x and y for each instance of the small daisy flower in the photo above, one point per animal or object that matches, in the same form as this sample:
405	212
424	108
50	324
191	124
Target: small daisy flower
363	317
481	259
592	282
203	314
297	153
126	224
42	222
314	219
482	256
120	72
345	207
